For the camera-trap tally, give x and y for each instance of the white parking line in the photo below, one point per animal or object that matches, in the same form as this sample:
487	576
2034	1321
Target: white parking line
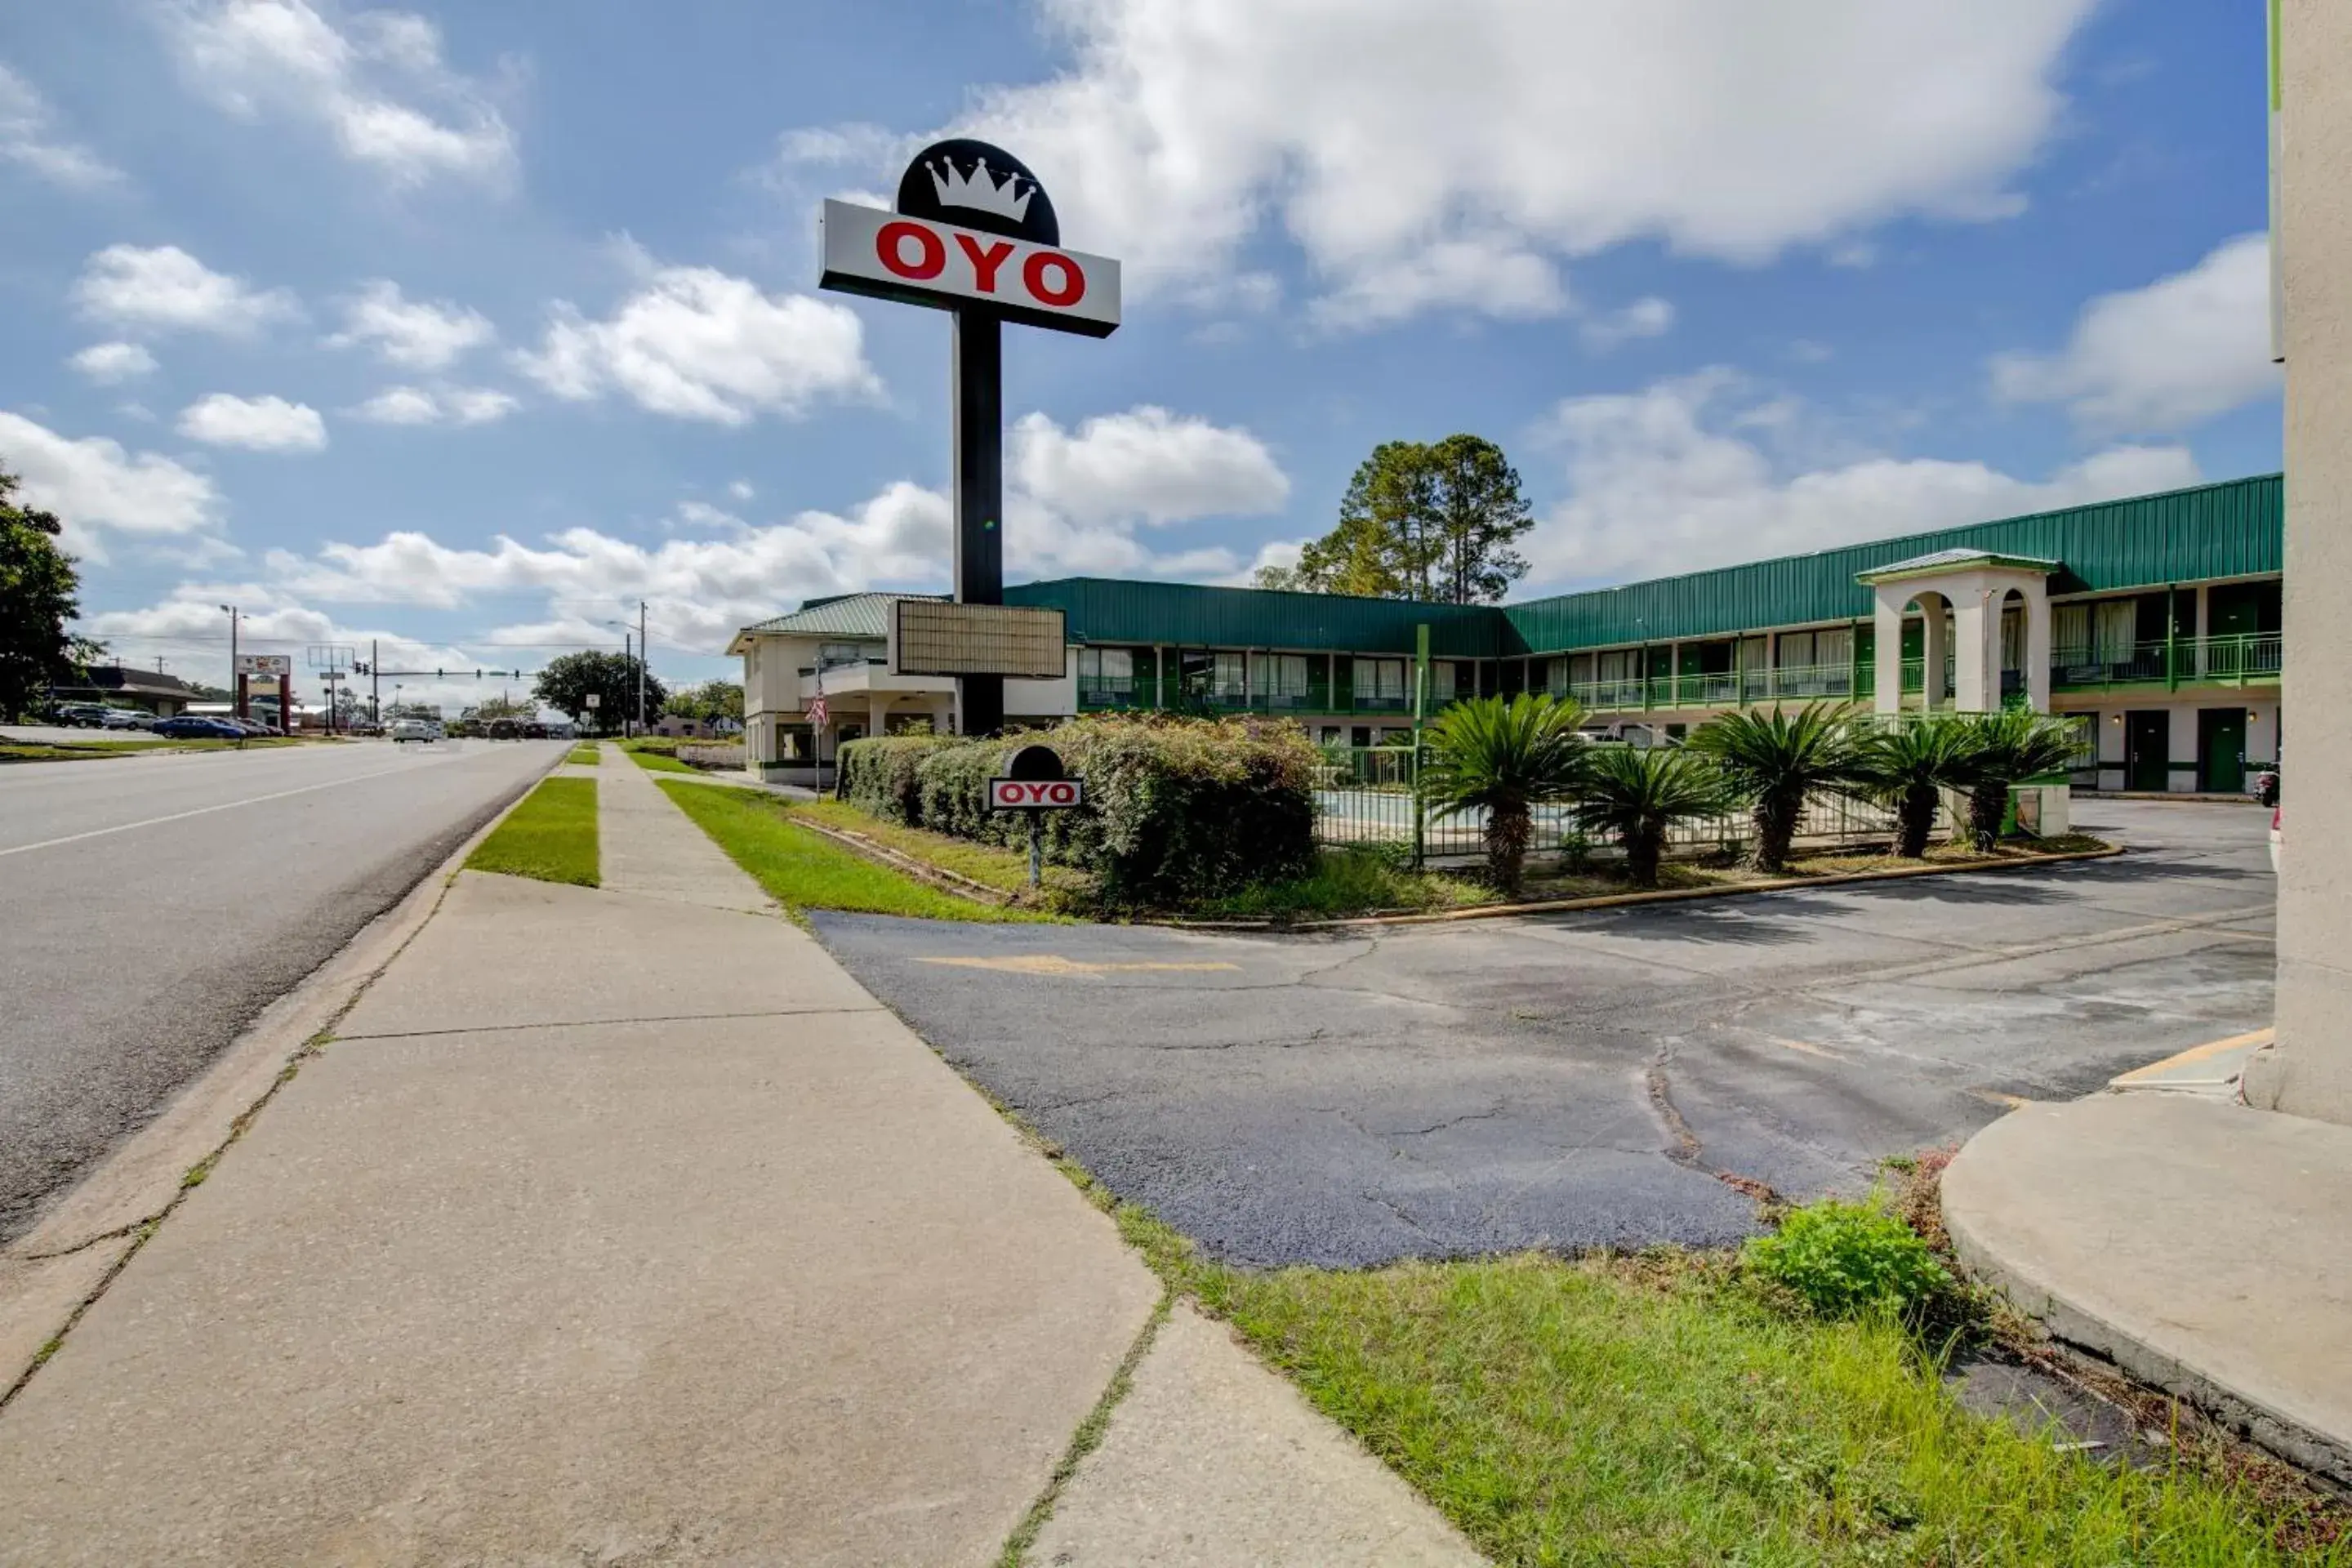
200	811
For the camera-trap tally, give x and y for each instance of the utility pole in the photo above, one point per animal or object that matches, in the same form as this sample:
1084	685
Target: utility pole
236	682
641	666
626	634
375	684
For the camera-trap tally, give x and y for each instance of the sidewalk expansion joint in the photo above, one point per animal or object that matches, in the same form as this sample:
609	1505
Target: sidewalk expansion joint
1088	1437
606	1023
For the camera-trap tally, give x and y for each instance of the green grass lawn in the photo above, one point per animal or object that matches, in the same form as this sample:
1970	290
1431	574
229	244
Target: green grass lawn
802	870
657	762
990	865
583	757
1666	1411
551	835
87	751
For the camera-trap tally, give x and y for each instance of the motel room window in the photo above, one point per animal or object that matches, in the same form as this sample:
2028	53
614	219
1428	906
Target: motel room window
1795	650
834	655
1331	735
2115	630
1232	675
1279	675
1382	679
1107	668
1834	648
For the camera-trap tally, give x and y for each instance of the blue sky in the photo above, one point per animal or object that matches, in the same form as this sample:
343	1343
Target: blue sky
465	327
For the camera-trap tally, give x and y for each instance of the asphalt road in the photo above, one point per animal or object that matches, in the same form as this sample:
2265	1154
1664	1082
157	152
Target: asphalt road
151	906
1587	1080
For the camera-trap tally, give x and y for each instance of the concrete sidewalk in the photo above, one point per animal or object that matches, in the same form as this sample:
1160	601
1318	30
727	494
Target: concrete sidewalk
622	1225
2203	1247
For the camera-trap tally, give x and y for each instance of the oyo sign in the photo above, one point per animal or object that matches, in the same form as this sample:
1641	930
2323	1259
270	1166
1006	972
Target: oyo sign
923	261
1034	794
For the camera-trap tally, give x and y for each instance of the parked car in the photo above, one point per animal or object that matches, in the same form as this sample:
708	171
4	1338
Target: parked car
199	727
253	726
412	729
505	730
82	715
128	718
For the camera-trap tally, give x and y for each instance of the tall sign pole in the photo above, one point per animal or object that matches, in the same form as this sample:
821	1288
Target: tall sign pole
974	232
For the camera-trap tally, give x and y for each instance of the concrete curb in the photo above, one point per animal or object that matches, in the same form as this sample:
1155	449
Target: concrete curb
1658	896
50	1276
1971	1216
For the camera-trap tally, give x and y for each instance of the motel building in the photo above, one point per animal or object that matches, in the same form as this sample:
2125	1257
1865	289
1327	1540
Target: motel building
2152	623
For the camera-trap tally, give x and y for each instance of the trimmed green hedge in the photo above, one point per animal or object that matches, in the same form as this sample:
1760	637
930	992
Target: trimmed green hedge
878	775
1178	810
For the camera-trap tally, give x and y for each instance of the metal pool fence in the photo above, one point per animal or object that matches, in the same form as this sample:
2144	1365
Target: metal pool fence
1368	795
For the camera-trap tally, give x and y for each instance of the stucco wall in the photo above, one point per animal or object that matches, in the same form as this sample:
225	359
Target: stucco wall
2310	1073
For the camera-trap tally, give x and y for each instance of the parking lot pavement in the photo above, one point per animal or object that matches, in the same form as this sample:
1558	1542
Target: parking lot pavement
1610	1078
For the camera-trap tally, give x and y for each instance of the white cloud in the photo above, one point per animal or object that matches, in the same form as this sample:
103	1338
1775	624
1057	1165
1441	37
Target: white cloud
164	287
415	334
94	485
436	405
1075	501
112	363
257	424
1145	465
1656	485
2165	357
1483	276
1647	316
379	85
695	344
28	138
1386	136
741	489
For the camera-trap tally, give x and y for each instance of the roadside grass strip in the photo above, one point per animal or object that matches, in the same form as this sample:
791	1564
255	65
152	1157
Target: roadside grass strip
990	865
659	761
1666	1409
78	752
802	870
583	757
551	835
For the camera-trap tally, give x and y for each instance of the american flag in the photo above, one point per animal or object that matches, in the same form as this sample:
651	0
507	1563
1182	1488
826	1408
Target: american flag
817	708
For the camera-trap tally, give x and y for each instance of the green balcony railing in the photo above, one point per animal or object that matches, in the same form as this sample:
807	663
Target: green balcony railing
2231	659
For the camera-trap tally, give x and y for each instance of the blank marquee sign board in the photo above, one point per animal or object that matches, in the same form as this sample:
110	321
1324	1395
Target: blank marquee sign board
974	234
930	638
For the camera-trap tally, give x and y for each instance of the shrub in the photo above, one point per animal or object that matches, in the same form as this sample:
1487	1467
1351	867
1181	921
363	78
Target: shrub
1504	756
1843	1259
1177	811
879	774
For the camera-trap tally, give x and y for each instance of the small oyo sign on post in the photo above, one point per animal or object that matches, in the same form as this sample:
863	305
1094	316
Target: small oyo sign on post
1034	782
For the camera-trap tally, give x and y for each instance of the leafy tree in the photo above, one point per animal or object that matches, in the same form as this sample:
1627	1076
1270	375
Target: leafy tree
709	703
1777	762
567	681
1908	764
2006	748
1640	795
1504	756
1420	521
38	594
1478	514
504	707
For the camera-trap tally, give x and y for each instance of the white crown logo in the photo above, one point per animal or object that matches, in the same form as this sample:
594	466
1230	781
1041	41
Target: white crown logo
981	191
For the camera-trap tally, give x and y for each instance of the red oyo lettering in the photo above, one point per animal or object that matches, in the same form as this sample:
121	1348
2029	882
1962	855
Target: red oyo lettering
984	263
887	245
1073	286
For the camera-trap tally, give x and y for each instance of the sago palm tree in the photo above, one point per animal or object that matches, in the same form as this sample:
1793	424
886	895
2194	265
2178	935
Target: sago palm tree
1777	761
2007	749
1637	796
1504	756
1908	764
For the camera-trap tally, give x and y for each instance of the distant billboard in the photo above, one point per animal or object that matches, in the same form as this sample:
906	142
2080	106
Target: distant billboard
929	637
265	664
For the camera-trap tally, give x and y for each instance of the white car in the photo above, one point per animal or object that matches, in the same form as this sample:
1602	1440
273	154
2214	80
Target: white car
414	729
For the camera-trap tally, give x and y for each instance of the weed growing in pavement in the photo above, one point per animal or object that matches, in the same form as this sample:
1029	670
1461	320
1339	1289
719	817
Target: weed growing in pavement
1841	1259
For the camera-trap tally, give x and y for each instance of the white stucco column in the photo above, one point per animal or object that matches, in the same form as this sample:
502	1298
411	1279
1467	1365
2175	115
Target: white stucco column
1976	648
877	704
1886	648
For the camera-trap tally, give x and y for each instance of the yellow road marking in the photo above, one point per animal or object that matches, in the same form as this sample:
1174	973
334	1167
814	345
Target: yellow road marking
2199	1054
1808	1047
2014	1101
1054	963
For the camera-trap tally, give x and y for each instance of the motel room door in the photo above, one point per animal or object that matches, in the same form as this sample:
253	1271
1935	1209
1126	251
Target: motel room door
2222	750
2147	749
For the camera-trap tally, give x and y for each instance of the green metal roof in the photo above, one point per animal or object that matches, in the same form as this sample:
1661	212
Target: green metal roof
1187	615
2233	529
1953	560
841	615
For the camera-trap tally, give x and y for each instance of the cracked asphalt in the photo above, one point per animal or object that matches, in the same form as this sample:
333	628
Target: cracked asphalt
1615	1078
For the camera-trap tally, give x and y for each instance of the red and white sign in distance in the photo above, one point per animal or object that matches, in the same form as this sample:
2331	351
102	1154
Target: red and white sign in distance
1034	795
870	251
